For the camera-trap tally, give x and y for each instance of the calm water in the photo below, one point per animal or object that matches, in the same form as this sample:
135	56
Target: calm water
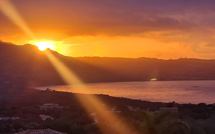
156	91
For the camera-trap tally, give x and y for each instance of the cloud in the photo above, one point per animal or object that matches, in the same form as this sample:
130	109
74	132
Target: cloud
172	22
117	17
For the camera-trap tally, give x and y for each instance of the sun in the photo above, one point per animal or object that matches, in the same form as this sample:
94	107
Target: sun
43	45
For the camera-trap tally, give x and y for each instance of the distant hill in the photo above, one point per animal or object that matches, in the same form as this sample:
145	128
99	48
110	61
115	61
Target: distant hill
25	65
144	69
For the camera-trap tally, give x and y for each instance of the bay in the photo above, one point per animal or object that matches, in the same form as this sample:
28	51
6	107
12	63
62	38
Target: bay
156	91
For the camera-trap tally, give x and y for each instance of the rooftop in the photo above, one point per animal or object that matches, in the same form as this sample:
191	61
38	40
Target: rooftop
40	131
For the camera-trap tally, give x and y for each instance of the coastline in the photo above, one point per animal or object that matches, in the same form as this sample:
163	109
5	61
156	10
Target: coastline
183	92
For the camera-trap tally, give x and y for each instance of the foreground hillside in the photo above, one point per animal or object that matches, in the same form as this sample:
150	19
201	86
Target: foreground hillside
25	65
20	112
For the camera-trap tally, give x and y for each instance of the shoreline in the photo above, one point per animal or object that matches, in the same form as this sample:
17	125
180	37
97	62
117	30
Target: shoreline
183	92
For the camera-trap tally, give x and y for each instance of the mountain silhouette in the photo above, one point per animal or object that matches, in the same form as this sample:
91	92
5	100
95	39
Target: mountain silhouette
26	66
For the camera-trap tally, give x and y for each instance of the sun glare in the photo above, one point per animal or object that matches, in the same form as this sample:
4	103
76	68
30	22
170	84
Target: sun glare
43	45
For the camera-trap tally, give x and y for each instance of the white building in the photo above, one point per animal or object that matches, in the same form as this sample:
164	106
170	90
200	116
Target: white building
45	117
50	106
9	118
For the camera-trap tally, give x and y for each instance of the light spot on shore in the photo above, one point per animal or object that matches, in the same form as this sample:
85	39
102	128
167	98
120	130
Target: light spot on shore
153	79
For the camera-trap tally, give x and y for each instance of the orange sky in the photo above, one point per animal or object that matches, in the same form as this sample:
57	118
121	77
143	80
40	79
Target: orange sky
122	28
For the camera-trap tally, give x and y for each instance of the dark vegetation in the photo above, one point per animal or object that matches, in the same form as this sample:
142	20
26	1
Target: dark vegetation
73	119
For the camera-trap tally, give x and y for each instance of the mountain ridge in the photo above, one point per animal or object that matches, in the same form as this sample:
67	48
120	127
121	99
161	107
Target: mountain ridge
25	65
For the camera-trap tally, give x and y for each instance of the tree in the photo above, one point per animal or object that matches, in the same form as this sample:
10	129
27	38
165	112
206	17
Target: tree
161	123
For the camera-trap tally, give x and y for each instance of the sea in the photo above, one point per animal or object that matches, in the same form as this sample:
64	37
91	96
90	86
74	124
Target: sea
155	91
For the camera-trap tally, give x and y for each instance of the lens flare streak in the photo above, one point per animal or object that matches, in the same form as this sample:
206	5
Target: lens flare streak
70	78
8	9
90	101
